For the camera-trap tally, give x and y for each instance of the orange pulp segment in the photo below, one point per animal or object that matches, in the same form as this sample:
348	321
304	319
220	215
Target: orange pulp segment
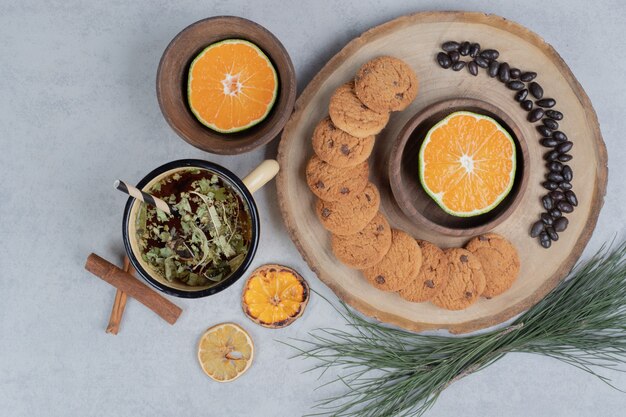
232	86
467	164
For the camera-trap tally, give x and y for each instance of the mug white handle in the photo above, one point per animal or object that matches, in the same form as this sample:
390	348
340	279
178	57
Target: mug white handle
261	175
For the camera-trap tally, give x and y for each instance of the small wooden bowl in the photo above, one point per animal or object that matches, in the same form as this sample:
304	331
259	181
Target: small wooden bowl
171	84
404	176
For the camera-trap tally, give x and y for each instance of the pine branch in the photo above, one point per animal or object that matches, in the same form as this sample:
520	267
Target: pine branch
392	372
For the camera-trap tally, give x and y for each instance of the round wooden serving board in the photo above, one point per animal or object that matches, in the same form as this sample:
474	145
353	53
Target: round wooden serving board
416	39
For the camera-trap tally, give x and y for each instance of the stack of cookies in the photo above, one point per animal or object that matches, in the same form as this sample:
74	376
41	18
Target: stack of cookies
348	204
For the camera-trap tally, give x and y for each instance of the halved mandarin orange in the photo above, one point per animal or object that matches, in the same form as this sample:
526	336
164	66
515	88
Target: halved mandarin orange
232	85
467	164
225	352
274	296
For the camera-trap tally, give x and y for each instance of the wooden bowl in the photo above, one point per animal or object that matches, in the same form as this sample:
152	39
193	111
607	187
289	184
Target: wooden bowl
404	178
171	84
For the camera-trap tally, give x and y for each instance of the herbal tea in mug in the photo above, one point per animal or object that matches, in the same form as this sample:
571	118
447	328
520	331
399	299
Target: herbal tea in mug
206	240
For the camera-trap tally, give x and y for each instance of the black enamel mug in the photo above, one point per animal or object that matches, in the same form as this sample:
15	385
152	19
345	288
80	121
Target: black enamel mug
244	188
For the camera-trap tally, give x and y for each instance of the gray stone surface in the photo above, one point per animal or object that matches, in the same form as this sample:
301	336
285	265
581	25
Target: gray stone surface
78	110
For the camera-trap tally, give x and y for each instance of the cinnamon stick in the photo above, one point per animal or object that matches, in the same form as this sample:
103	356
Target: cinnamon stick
125	282
119	304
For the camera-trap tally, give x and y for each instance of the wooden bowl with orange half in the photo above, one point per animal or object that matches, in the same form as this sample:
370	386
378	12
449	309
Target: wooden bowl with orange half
226	85
411	191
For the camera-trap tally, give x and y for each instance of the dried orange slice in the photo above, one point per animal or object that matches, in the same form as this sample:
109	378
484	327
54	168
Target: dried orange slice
232	85
225	352
467	164
275	296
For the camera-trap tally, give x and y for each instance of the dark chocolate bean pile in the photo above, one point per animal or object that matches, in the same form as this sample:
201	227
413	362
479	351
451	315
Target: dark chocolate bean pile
559	199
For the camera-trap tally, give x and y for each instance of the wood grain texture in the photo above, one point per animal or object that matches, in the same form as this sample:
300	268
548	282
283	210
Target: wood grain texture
404	162
416	39
119	303
125	282
171	84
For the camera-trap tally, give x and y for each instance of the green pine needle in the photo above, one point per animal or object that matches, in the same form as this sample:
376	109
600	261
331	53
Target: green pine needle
392	372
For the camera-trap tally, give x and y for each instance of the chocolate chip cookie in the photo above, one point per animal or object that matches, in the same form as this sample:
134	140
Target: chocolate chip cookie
500	262
349	114
365	248
330	183
466	282
386	84
399	267
433	276
339	148
349	216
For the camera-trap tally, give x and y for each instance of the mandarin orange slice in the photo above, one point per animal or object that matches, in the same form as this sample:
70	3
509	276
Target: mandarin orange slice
274	296
467	164
232	85
225	352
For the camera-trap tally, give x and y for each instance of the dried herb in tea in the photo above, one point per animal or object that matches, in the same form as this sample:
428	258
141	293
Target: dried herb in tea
206	241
